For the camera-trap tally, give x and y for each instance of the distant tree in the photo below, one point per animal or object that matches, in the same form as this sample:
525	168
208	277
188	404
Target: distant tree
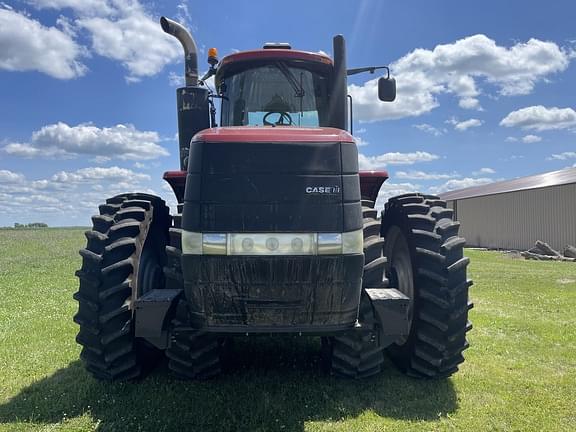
30	225
38	225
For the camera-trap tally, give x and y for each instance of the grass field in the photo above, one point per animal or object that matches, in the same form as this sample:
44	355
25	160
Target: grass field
520	373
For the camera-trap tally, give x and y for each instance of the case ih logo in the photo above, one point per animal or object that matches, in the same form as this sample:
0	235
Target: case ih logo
323	190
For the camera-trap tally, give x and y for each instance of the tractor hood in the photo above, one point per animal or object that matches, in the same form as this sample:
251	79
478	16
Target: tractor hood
272	179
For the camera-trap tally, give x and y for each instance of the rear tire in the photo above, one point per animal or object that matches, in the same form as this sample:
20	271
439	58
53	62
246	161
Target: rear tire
360	354
192	354
122	260
426	262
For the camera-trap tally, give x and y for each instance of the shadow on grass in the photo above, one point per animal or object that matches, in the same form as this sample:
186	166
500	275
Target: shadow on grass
272	384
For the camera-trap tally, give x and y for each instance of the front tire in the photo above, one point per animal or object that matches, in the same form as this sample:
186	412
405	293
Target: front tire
192	354
360	354
123	259
426	262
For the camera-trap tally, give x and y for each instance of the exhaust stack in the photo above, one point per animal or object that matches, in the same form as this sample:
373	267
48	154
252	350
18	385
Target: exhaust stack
338	108
190	50
191	100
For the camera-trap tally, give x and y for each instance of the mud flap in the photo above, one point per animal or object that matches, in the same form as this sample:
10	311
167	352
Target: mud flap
391	308
153	313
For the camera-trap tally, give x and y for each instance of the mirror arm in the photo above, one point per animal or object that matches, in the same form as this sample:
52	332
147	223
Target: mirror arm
370	69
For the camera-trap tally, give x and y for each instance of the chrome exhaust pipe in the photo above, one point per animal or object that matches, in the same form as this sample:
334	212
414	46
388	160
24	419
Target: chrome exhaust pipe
190	50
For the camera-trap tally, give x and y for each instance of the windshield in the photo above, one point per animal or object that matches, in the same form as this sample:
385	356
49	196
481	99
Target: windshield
276	94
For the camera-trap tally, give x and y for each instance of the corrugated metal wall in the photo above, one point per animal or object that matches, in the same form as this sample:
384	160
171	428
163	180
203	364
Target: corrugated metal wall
515	220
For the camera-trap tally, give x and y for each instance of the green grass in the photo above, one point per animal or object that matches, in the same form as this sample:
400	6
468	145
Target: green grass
520	373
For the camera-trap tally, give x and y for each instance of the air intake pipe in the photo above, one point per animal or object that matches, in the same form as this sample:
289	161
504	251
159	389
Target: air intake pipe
192	101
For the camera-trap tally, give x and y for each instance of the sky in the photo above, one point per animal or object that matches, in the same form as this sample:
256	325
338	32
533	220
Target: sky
486	91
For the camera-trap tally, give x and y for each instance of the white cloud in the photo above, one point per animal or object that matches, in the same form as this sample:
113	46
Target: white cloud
7	176
123	31
540	118
464	87
70	197
176	80
467	124
460	184
484	171
183	16
101	159
511	139
27	45
421	175
456	68
360	131
360	142
464	125
65	181
563	156
425	127
389	190
470	103
531	139
395	158
134	39
62	140
87	7
89	175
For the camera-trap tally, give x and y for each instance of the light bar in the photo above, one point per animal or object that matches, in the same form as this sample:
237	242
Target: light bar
194	243
271	244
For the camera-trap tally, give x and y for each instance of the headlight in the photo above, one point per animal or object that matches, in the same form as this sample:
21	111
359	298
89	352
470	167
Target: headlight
191	243
272	244
353	242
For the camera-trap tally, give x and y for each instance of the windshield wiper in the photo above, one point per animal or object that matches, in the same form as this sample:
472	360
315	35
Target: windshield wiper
298	89
297	86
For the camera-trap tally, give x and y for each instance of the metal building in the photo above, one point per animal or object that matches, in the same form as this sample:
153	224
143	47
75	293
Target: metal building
513	214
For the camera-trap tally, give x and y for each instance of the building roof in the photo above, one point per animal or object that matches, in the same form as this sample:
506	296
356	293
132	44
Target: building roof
554	178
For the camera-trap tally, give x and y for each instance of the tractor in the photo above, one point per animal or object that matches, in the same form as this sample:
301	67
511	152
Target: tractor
276	234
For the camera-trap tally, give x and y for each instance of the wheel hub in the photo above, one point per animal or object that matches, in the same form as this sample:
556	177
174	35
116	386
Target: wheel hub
399	270
150	272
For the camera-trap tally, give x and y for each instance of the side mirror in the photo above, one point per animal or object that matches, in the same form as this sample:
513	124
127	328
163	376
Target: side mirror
387	89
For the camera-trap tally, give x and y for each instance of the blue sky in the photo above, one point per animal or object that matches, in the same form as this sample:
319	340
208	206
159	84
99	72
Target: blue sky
87	91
